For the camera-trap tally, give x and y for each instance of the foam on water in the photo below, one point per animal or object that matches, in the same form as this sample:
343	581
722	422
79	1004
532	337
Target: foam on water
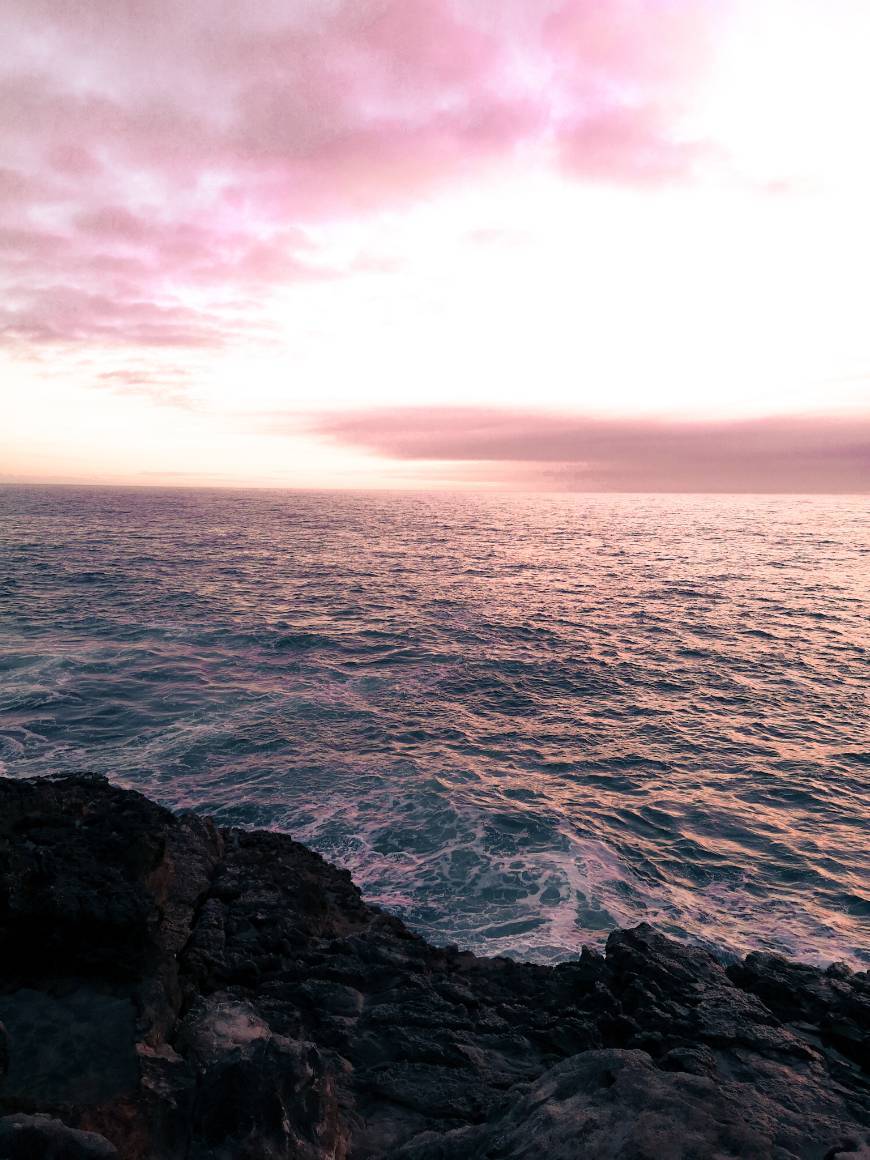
507	880
519	721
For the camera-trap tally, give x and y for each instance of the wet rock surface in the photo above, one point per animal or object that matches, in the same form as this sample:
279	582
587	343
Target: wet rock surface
170	989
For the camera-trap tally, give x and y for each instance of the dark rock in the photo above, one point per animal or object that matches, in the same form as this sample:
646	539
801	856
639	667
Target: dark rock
616	1104
41	1137
692	1060
258	1094
193	993
78	1047
835	1003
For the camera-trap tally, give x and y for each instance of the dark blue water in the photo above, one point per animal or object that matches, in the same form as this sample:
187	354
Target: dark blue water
519	720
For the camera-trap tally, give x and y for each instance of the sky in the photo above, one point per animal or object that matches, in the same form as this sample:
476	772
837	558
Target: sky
560	244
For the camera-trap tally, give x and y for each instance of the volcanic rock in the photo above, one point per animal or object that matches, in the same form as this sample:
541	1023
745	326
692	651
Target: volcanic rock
170	989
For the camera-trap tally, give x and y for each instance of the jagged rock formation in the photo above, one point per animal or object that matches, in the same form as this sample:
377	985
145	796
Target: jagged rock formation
170	990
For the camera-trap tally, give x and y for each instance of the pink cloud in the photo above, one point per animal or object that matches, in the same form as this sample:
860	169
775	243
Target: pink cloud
772	454
167	147
64	314
168	388
631	144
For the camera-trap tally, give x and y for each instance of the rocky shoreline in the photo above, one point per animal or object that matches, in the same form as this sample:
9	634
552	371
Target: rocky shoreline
169	989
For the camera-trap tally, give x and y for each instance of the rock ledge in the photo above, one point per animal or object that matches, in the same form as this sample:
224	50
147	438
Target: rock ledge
173	990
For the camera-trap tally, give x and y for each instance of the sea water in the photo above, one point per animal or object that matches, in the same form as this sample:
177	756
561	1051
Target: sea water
519	720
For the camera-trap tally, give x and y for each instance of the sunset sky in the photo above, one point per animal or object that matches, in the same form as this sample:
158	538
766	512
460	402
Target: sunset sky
619	244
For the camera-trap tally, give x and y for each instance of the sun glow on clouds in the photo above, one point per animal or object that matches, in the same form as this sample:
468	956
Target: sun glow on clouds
219	232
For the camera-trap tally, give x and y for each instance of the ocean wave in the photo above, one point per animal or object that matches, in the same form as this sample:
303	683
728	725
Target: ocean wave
519	721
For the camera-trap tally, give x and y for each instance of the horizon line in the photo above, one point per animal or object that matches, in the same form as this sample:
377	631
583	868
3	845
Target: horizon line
495	489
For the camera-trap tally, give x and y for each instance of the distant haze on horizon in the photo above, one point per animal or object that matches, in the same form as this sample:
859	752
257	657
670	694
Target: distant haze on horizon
558	244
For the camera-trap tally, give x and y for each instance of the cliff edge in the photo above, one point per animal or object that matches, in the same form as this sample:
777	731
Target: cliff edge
169	989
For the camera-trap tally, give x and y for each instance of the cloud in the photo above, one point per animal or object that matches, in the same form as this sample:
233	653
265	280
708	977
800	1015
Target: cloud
771	454
64	314
154	150
166	388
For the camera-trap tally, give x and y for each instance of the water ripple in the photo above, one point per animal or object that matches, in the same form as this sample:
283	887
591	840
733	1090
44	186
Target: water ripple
519	720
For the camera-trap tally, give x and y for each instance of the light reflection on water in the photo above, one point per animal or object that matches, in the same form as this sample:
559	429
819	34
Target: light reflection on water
519	720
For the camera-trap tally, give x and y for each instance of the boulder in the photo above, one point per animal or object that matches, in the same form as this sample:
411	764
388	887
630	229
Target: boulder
41	1137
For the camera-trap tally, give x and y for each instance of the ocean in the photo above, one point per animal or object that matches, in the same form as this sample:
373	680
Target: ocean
519	720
